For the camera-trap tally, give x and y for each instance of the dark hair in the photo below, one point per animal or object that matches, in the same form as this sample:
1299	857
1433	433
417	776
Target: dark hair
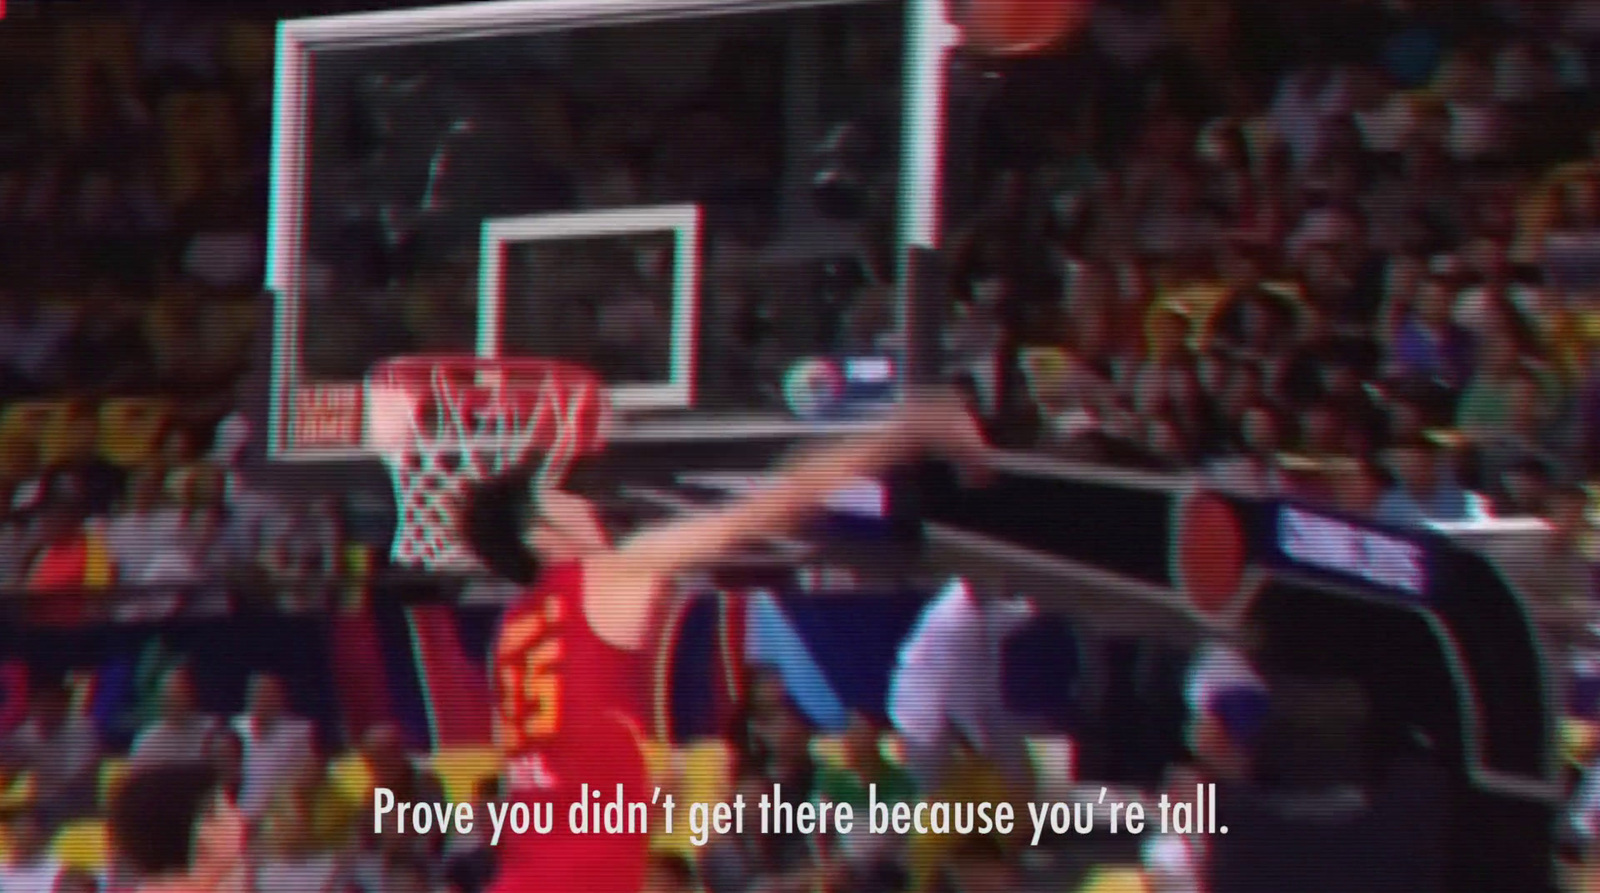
155	812
495	513
493	517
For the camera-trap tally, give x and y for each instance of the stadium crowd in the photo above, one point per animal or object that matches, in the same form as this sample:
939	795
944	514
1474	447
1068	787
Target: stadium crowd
1345	251
1339	252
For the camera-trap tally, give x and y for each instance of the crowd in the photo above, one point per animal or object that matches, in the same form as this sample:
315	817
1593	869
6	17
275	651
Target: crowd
132	210
181	528
1340	251
308	810
309	805
1345	252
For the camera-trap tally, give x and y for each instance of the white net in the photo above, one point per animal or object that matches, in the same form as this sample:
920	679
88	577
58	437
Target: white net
442	434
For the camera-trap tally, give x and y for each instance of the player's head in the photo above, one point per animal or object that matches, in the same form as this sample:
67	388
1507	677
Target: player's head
515	527
176	821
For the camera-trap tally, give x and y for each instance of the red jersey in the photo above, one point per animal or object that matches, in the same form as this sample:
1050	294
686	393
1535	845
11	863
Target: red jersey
567	708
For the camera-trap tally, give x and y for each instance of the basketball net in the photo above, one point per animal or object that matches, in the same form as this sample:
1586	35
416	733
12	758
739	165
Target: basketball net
487	418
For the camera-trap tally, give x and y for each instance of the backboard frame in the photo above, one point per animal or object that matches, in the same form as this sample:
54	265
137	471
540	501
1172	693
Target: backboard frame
930	38
682	220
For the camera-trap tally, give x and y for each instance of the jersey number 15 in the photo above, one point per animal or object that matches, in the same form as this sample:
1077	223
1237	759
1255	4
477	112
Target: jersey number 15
528	681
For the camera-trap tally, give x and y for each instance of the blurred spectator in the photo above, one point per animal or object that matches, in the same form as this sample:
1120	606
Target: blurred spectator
1228	703
225	256
172	825
1560	580
1425	487
1359	487
1522	489
302	552
1588	414
1427	346
143	533
754	862
15	540
946	688
781	738
1307	105
70	448
60	747
969	778
32	339
1527	436
1258	470
469	860
390	766
67	556
1501	300
1487	406
980	865
279	748
29	866
873	860
670	874
107	352
180	734
1315	818
289	860
225	755
183	548
220	551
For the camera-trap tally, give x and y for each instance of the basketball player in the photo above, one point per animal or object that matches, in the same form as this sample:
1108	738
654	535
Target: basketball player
567	678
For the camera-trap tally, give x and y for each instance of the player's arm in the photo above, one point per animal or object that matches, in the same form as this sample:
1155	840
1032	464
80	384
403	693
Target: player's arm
633	572
798	489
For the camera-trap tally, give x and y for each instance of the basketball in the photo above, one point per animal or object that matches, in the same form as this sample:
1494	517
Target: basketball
1020	27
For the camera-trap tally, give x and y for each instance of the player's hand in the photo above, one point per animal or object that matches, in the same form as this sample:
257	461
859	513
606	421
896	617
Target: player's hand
944	426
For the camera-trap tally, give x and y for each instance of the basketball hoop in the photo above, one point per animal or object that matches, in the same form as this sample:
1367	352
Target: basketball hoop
442	423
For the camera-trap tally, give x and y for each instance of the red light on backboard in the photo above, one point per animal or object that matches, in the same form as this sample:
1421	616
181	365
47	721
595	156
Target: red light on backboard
327	416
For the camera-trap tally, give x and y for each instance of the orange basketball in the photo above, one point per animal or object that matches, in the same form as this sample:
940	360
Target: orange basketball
1020	27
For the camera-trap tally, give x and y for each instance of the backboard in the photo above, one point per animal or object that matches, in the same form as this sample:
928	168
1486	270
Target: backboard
690	196
541	275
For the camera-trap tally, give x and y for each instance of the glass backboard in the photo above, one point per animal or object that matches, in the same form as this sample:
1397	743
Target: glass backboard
691	196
